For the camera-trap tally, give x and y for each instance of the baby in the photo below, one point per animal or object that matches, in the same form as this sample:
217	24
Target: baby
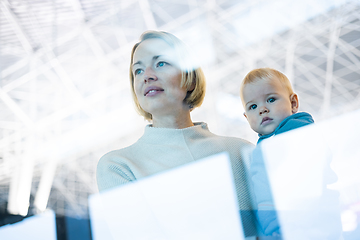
271	107
270	103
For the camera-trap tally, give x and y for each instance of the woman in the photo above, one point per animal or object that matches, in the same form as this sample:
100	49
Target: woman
166	86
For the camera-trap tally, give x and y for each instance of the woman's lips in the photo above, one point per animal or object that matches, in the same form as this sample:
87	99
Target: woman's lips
266	120
152	90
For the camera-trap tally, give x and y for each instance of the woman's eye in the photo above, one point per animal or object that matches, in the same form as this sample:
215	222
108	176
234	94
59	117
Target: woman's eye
253	106
160	64
270	100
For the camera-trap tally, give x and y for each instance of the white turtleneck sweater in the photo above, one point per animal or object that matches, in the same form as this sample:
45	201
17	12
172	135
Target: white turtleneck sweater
161	149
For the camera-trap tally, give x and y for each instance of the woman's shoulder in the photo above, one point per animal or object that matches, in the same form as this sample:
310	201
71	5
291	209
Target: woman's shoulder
234	140
117	154
238	145
114	168
238	148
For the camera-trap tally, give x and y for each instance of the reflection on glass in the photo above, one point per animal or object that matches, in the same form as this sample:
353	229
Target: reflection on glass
314	180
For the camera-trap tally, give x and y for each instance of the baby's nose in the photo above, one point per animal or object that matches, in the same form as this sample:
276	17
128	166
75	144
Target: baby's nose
264	110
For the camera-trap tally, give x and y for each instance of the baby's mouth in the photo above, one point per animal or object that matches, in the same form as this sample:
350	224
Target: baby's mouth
266	120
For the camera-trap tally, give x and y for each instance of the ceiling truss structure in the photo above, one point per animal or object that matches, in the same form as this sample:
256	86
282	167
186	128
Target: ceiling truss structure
64	90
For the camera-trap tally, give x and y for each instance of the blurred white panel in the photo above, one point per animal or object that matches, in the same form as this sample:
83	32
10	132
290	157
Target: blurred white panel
312	171
38	227
172	206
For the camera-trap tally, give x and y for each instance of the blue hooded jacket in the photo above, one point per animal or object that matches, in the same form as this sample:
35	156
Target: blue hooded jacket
293	121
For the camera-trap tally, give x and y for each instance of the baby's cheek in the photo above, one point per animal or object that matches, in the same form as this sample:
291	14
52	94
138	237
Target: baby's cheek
253	124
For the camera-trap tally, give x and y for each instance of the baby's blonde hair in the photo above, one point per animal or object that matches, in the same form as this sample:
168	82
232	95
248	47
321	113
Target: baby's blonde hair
265	74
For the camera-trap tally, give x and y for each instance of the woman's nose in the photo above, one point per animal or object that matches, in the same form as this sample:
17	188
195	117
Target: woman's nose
149	75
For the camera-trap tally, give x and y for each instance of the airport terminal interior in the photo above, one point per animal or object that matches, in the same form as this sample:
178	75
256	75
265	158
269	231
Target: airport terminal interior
65	96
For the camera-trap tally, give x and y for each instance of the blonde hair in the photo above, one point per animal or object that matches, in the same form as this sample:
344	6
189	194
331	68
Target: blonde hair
268	74
190	73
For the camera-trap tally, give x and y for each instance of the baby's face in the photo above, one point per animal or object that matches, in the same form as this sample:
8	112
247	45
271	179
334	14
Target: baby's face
266	104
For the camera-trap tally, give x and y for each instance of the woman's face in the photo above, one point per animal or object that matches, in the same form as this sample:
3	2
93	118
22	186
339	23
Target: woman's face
157	78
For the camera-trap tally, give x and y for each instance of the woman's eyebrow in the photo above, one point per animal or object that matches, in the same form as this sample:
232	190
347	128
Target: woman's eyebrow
154	58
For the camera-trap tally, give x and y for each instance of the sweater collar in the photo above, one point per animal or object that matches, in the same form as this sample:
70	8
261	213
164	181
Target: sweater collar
156	135
196	125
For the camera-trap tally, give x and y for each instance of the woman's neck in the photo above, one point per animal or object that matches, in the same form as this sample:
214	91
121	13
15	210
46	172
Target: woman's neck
177	122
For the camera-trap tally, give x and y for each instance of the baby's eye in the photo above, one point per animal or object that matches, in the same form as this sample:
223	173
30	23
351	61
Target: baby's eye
271	100
137	71
253	106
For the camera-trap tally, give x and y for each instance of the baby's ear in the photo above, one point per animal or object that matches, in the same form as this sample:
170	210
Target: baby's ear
294	103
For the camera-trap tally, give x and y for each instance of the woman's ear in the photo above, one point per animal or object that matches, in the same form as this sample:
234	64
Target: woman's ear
192	87
294	103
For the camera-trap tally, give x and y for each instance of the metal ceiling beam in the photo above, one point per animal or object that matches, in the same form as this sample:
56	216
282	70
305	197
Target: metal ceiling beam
334	36
21	181
70	197
147	14
14	107
44	187
23	38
